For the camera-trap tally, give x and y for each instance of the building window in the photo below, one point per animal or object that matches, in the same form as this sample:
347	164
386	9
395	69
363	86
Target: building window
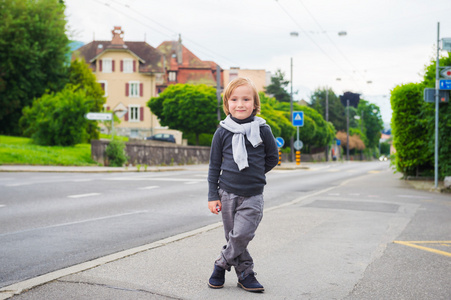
172	76
133	113
128	65
107	65
134	89
104	85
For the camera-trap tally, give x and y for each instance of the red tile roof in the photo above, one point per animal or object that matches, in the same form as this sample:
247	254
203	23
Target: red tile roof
151	60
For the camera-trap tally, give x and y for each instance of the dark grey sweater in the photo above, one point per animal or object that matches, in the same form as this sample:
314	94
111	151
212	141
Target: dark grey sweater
247	182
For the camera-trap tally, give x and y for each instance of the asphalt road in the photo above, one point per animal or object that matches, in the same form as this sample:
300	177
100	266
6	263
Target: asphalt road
49	221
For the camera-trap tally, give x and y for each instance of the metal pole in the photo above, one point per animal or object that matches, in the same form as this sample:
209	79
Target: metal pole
291	110
347	129
327	120
437	83
218	90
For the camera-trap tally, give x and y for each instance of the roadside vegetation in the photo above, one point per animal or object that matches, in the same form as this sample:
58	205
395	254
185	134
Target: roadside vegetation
21	151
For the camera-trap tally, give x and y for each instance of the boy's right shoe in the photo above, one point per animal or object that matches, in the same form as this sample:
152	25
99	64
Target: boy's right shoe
250	284
217	278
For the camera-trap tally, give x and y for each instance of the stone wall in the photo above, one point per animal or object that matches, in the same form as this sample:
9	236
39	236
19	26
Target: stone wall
154	153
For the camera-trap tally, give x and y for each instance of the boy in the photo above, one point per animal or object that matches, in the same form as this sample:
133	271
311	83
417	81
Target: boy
243	150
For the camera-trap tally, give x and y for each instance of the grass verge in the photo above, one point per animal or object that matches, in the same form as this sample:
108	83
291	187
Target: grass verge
21	151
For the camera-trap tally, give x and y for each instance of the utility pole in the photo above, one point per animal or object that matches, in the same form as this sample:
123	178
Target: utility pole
218	90
437	91
347	129
291	111
327	120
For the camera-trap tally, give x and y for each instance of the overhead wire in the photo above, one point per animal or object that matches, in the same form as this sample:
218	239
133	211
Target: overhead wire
209	52
314	42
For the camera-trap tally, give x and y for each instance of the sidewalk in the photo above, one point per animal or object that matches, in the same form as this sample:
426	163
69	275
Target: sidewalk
301	251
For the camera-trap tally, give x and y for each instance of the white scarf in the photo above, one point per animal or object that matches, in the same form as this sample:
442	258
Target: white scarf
252	132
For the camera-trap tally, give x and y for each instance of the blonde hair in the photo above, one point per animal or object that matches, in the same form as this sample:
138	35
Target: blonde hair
232	86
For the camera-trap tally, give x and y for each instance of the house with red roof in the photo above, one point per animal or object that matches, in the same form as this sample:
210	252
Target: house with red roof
182	66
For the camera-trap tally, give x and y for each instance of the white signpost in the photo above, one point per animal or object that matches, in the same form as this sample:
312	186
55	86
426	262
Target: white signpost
99	116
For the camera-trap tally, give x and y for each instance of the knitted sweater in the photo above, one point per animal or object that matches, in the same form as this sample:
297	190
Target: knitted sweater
223	171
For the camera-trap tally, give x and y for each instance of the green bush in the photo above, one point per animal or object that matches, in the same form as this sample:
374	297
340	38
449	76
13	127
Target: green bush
57	119
115	152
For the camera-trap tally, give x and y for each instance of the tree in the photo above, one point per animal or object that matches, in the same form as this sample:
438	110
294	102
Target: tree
81	76
409	127
277	88
33	47
58	118
188	108
372	122
413	127
336	109
315	132
444	132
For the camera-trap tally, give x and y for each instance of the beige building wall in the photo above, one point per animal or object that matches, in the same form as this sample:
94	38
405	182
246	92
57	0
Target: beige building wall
259	77
115	92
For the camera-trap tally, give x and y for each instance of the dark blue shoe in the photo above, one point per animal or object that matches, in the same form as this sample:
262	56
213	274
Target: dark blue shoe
217	279
250	284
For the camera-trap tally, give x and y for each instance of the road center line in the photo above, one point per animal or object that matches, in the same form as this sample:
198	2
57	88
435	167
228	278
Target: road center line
83	195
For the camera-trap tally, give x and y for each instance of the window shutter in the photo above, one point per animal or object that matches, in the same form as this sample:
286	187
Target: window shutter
112	65
141	113
102	84
100	65
107	108
122	65
126	89
126	115
140	89
134	66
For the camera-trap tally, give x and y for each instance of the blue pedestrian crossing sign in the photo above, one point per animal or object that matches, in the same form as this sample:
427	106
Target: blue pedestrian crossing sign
298	118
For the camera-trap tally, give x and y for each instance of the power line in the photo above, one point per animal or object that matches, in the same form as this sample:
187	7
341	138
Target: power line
314	42
209	52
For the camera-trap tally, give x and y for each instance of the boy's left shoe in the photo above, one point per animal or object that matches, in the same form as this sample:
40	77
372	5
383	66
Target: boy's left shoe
250	284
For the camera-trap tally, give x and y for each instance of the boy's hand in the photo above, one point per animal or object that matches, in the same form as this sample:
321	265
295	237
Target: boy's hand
214	206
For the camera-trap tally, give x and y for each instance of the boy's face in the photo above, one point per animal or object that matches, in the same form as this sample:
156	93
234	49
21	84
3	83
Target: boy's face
241	102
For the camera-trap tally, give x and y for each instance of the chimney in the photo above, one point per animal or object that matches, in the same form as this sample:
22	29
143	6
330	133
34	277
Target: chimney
179	51
118	35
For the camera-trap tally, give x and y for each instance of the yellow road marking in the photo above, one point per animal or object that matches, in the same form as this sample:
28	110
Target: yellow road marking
414	244
374	172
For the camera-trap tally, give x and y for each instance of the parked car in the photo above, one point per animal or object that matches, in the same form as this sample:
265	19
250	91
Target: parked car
165	137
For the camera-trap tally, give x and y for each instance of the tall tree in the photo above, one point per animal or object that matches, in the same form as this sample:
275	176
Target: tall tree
371	121
186	107
33	47
277	88
337	114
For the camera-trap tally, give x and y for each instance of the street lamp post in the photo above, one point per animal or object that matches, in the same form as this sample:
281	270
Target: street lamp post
347	129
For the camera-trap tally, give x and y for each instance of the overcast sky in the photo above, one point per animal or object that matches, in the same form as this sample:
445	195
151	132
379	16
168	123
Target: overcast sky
387	42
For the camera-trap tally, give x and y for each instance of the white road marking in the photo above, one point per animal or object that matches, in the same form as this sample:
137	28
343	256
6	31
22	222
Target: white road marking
83	195
77	222
1	205
81	180
411	196
148	187
192	182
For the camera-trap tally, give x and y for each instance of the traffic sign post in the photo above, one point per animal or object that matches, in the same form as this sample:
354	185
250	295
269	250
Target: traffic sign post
298	121
280	142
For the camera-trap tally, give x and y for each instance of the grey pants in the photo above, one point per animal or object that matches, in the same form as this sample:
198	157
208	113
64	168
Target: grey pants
240	216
